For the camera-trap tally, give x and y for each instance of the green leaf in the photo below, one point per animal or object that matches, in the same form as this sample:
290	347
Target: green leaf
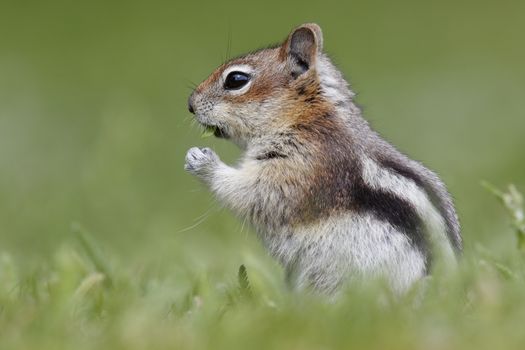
244	282
93	252
208	131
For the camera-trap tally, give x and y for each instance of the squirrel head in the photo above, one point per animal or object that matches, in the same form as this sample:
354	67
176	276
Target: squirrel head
262	92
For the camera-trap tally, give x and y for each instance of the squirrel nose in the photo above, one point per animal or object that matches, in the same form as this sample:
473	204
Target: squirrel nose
190	106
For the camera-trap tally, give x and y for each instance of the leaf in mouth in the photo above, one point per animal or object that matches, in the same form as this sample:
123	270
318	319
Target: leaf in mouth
209	131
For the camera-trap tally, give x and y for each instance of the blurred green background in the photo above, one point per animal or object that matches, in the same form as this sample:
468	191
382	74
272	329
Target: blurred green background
94	125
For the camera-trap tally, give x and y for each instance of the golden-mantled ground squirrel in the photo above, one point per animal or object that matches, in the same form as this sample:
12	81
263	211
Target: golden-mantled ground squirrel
329	198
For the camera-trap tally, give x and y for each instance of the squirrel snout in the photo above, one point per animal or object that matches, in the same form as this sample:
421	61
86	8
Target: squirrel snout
190	105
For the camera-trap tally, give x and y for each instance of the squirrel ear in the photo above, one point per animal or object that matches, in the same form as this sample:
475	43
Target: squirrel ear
302	45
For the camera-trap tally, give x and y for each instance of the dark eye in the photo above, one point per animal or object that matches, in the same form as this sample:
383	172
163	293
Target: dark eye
236	80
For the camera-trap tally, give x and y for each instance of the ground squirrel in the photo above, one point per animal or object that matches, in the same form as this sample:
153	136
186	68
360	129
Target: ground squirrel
328	197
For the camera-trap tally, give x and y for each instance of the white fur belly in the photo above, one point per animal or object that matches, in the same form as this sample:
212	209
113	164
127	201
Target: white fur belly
346	248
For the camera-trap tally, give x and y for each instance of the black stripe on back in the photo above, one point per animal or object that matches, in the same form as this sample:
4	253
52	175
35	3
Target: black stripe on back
436	201
387	207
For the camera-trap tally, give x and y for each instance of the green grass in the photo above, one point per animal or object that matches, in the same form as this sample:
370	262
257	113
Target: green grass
106	242
84	299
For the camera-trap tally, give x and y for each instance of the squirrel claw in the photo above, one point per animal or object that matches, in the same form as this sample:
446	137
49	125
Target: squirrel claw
200	161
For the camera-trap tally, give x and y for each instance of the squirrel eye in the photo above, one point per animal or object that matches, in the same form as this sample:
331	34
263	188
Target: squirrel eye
236	80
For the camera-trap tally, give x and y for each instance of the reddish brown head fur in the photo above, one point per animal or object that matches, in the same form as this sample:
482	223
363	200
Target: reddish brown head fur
284	89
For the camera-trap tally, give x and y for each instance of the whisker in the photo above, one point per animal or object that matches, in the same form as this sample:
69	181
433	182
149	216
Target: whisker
200	219
187	118
242	228
190	84
229	45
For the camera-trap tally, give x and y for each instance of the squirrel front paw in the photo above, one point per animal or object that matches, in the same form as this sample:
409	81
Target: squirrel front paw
201	161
